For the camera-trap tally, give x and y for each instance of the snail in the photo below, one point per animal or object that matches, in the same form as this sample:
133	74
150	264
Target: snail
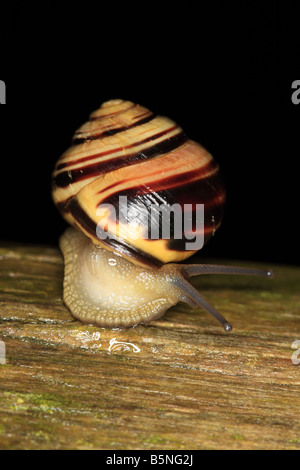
129	162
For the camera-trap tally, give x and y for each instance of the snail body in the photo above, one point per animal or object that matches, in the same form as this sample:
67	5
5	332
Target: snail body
115	273
105	288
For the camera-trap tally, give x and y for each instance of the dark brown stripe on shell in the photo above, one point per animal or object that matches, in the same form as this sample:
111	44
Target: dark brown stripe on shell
205	191
108	133
141	115
208	191
63	206
65	178
179	179
166	184
88	158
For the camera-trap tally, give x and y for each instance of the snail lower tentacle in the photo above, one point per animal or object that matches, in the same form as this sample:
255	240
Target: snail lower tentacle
103	288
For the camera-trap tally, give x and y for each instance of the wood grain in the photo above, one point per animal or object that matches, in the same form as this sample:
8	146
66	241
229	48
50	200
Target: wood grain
178	383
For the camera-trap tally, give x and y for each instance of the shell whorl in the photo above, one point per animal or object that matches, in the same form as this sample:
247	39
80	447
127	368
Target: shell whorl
125	149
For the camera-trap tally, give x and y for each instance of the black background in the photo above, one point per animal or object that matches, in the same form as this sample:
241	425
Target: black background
222	71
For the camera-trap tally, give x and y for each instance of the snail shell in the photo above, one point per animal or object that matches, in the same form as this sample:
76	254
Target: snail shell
124	149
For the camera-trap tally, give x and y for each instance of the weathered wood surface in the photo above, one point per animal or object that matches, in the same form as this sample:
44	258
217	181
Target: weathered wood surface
177	383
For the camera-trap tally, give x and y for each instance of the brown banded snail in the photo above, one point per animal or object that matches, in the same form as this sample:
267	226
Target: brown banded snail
115	274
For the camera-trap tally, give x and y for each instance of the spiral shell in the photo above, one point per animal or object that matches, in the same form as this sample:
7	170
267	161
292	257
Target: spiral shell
125	149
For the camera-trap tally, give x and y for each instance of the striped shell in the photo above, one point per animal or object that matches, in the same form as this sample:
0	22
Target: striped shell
126	150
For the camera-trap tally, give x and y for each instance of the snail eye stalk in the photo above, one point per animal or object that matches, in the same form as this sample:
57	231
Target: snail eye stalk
196	269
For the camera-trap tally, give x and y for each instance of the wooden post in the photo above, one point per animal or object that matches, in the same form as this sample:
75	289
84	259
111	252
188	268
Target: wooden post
178	383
